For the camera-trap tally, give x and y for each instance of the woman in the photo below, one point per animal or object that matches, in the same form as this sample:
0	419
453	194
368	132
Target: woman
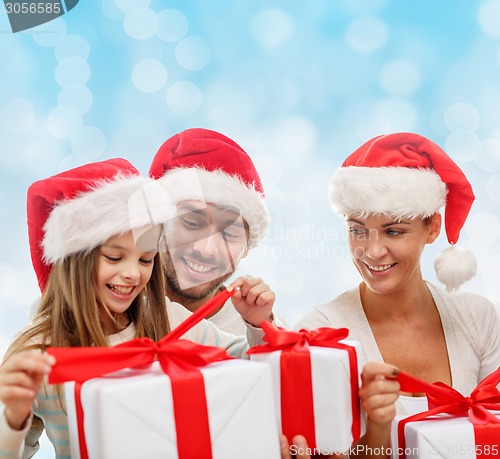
390	192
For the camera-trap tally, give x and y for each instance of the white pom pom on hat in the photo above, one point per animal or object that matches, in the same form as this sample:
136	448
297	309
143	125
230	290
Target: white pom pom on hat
454	266
408	176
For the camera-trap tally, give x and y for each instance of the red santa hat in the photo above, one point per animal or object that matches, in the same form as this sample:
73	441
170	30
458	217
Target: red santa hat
407	176
200	164
77	210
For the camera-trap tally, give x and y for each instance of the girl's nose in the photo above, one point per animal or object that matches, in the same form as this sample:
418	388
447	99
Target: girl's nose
131	272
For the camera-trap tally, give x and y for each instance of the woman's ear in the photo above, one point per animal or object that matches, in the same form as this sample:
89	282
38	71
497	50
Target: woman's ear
434	228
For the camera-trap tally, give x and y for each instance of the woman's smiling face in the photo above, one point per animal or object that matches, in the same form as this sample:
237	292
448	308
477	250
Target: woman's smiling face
386	251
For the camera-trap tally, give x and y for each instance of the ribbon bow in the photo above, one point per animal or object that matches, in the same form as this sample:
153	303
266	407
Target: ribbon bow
444	399
280	339
179	359
175	357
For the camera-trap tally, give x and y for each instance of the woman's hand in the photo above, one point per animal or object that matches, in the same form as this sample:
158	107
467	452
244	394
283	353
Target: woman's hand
379	392
20	379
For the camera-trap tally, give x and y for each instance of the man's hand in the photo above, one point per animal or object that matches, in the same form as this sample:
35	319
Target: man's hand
253	299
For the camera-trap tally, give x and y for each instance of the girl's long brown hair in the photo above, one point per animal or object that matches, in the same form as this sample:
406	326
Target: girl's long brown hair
70	313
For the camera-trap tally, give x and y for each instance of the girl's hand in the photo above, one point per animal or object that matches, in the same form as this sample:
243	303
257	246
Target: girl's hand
20	379
254	300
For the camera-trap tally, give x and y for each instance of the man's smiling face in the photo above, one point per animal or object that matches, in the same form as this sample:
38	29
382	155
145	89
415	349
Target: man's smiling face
205	243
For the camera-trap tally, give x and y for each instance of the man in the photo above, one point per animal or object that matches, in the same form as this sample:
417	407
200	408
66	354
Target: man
221	216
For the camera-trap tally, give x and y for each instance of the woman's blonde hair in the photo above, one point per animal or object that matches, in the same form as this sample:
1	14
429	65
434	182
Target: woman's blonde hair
69	314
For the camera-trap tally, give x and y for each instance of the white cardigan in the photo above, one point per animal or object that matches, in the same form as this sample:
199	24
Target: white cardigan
470	325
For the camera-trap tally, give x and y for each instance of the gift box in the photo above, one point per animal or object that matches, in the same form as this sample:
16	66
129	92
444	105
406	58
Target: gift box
442	437
168	399
316	380
130	414
455	426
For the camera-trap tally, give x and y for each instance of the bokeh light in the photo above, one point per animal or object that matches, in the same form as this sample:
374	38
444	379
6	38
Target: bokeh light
140	23
395	115
17	115
463	145
149	75
489	155
462	116
489	17
172	25
271	27
72	46
400	78
80	99
89	142
183	98
63	121
483	228
192	53
493	186
72	72
293	138
127	5
366	34
50	33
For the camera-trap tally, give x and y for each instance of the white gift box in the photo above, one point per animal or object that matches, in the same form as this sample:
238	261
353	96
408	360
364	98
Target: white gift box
331	385
129	414
441	437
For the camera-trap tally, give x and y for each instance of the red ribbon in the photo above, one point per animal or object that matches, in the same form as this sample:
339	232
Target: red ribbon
444	399
179	359
297	408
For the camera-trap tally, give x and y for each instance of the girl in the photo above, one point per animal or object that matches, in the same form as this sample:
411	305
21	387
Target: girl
390	192
94	236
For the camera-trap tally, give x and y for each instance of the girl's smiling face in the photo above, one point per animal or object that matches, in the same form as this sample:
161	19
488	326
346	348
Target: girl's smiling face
386	251
124	268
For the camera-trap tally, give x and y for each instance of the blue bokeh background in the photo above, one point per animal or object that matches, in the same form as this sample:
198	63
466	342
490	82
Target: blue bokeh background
299	85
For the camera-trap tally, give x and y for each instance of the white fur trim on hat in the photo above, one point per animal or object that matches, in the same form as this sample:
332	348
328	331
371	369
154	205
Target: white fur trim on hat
403	192
219	188
110	208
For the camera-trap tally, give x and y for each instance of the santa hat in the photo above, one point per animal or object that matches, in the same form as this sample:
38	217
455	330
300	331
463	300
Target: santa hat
200	164
407	176
77	210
